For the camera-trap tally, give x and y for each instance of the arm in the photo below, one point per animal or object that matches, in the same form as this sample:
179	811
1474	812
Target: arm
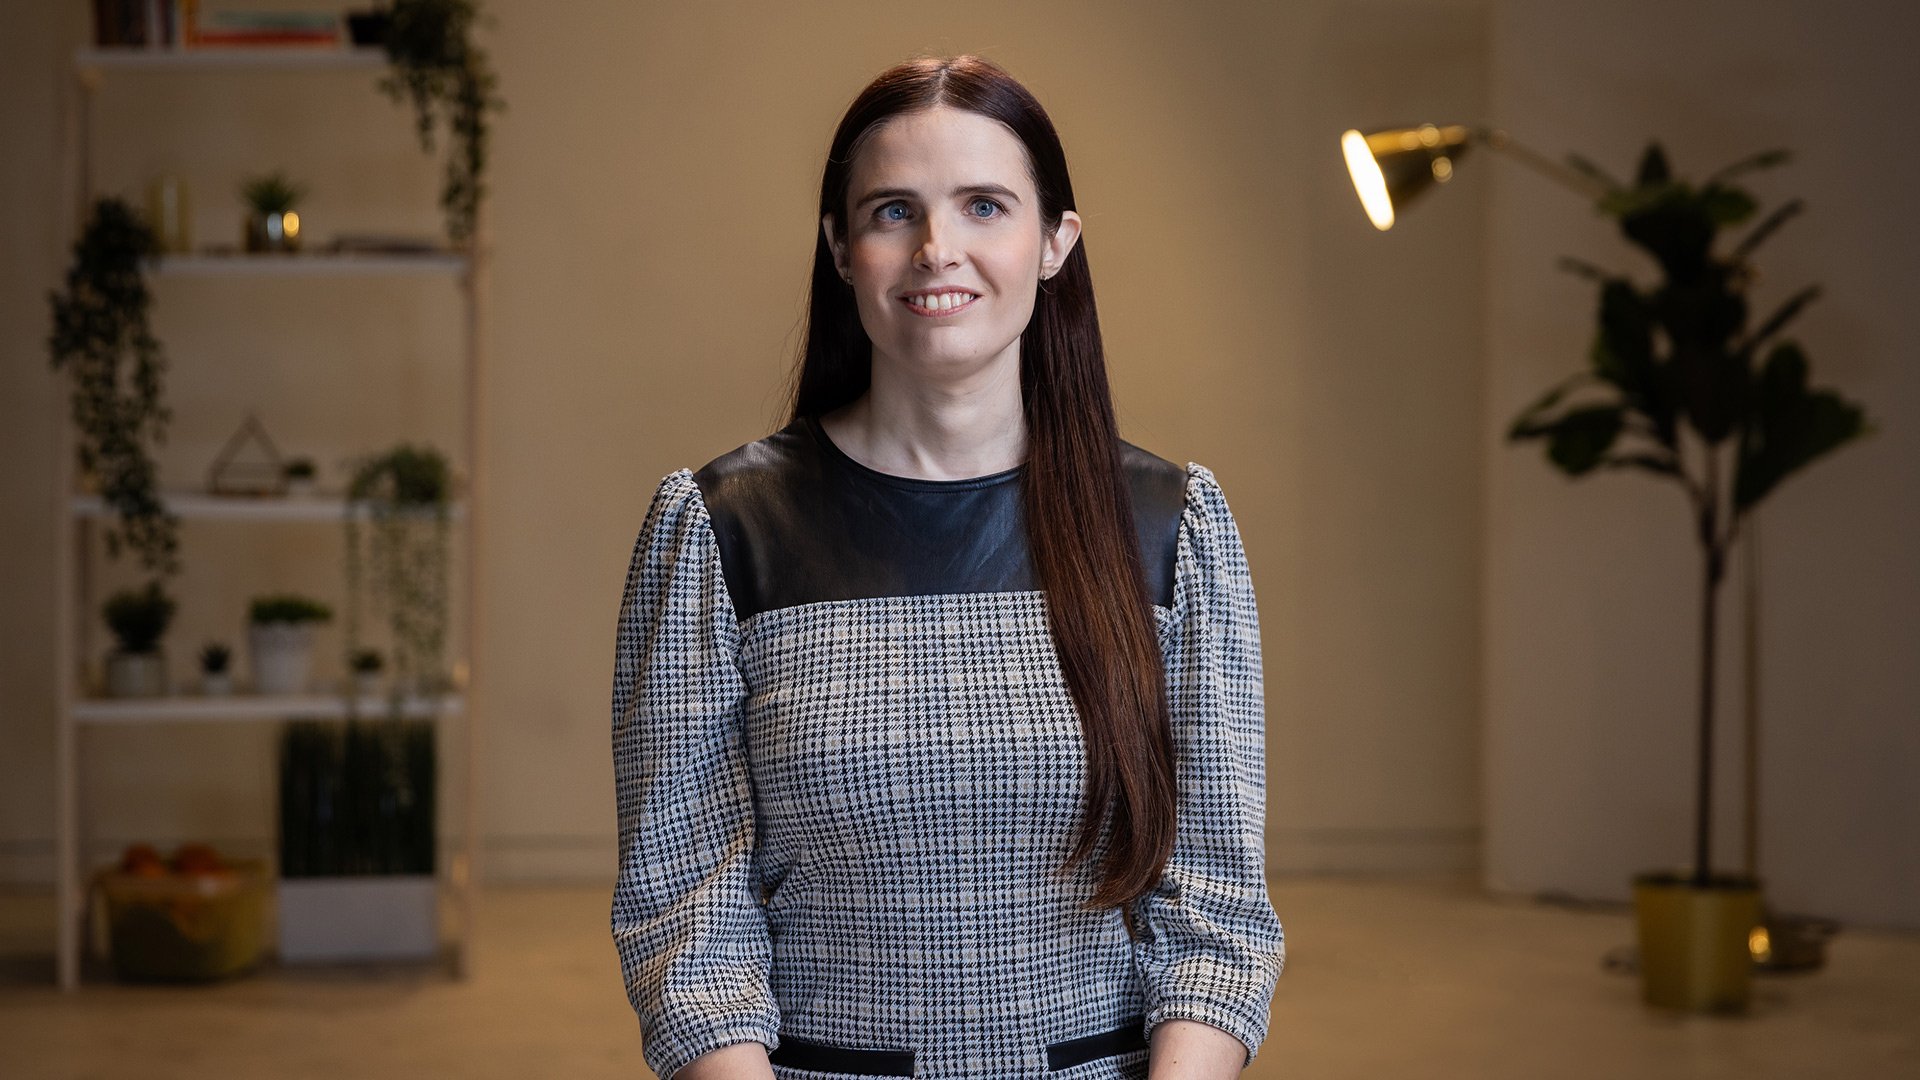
1211	947
692	939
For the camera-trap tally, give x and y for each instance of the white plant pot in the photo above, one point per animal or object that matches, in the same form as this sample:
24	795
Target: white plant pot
300	487
134	675
367	683
373	917
216	684
281	654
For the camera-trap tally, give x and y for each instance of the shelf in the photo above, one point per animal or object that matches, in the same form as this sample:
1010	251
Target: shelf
203	506
228	57
188	708
321	264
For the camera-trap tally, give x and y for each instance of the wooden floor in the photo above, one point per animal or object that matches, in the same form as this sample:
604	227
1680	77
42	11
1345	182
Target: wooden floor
1395	980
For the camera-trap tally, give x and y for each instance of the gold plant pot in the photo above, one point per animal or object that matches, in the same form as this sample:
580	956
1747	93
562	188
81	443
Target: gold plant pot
1694	940
273	232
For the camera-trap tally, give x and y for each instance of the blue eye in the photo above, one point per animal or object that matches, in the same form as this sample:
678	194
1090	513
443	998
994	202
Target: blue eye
880	212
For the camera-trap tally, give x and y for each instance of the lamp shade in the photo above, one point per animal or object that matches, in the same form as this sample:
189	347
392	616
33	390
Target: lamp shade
1391	166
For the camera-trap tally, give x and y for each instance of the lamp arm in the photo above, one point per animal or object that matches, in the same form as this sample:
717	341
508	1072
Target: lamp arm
1553	170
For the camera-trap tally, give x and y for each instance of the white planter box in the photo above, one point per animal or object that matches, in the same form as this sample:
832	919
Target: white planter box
281	654
378	917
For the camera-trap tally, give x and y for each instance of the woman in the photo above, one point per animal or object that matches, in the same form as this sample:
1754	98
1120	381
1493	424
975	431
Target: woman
937	714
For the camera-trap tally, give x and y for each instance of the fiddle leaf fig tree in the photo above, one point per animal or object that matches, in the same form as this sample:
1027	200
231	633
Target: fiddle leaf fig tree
1687	390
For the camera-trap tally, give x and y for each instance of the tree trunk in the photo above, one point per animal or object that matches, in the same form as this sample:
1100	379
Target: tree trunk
1703	813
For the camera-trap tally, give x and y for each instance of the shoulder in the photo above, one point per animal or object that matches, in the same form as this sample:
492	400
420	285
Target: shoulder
769	478
1158	489
746	470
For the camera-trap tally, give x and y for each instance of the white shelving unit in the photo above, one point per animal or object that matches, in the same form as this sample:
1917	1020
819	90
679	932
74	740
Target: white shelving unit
77	514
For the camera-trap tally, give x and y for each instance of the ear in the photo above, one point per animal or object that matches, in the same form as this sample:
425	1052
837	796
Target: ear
839	250
1056	247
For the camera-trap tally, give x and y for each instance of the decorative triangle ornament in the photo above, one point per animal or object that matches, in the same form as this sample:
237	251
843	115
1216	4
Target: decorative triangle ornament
238	471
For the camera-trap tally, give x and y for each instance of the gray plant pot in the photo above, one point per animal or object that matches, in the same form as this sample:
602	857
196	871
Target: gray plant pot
135	675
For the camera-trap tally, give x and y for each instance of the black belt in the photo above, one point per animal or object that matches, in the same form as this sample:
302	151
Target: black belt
797	1053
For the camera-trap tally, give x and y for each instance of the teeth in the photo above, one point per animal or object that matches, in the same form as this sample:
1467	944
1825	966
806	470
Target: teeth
942	302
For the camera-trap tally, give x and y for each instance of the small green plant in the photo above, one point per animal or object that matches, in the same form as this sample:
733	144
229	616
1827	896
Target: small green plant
139	617
288	607
404	476
272	193
435	64
405	494
214	657
366	661
299	468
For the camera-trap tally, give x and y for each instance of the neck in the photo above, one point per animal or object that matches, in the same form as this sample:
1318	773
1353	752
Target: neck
935	431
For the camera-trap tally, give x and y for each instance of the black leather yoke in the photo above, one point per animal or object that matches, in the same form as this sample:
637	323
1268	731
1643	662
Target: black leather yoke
799	522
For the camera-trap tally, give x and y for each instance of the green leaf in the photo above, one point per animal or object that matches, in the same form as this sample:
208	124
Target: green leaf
1625	355
1763	159
1727	205
1581	438
1653	166
1782	316
1792	426
1583	268
1594	172
1525	425
1765	229
1655	463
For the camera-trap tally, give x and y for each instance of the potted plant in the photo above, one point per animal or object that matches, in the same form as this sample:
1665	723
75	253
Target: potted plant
366	665
117	367
369	26
356	842
400	562
280	641
272	222
138	619
299	474
1692	394
215	678
435	64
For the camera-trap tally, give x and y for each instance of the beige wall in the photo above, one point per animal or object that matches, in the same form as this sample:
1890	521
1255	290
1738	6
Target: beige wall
1591	597
653	187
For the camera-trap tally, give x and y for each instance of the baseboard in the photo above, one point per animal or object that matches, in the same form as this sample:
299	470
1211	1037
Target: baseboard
580	860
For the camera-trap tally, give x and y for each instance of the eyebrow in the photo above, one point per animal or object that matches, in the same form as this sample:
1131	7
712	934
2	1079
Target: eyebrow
964	189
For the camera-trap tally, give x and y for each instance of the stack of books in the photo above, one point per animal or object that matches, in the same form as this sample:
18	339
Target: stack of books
184	24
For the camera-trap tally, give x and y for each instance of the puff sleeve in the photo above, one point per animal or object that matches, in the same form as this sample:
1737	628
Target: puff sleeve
691	936
1209	946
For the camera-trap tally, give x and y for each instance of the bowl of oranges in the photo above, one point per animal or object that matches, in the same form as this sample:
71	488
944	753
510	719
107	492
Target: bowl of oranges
193	917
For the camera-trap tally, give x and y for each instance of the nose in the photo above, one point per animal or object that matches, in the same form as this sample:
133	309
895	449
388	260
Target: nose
936	251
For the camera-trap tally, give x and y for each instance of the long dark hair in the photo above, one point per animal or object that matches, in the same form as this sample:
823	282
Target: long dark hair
1079	516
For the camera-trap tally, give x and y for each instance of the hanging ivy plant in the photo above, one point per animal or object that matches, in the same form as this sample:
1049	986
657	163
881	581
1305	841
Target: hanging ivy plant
400	563
437	67
100	335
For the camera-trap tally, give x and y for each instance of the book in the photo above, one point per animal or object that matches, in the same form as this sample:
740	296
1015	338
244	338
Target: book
216	38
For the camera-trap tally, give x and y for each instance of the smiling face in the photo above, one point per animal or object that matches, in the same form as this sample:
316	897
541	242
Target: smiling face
945	242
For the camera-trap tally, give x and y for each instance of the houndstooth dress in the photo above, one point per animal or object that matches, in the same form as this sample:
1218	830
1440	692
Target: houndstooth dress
847	766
